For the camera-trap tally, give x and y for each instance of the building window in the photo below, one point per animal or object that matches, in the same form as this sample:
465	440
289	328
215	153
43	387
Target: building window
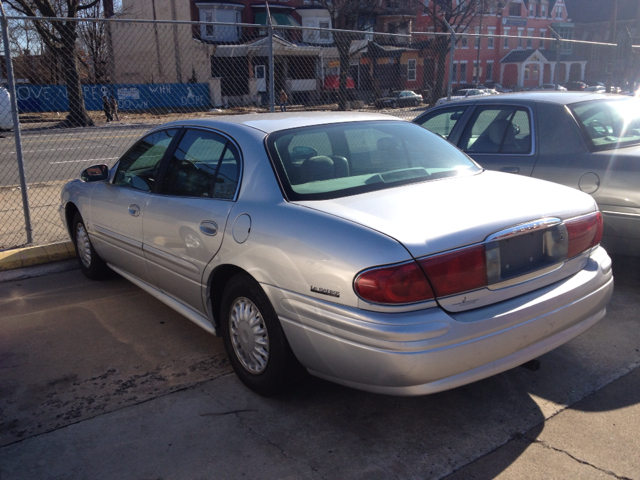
526	72
221	33
543	11
514	9
531	9
411	70
535	72
476	41
558	13
542	35
506	39
489	71
464	41
463	72
324	34
530	40
490	40
520	34
209	29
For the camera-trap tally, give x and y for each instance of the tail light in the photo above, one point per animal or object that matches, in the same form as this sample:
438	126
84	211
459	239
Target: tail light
464	269
584	233
457	271
397	284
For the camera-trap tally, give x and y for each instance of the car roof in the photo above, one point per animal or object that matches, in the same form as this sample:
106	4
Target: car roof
559	97
274	122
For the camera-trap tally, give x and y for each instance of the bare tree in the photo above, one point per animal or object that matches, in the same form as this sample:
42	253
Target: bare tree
460	14
61	37
352	16
93	45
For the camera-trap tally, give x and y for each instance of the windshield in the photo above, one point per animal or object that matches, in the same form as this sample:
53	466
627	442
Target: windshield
338	160
610	123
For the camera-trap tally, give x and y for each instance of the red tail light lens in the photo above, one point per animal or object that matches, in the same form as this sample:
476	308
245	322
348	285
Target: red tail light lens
457	271
398	284
584	233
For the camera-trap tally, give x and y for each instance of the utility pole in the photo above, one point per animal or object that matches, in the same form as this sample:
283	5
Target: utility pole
612	39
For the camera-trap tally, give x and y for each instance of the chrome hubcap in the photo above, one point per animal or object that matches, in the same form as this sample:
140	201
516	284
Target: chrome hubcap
249	335
84	247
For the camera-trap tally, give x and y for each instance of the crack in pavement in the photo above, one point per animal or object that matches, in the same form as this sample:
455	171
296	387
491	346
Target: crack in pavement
546	445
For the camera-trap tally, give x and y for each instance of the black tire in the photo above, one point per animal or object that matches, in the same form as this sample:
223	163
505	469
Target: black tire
258	351
90	262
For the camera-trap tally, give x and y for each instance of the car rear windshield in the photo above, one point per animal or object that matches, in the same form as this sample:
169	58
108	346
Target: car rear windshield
338	160
610	123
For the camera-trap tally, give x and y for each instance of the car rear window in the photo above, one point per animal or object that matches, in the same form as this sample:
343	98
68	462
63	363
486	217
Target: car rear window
337	160
610	123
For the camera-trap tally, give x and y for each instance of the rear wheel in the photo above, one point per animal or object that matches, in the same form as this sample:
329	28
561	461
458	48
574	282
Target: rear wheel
90	262
254	340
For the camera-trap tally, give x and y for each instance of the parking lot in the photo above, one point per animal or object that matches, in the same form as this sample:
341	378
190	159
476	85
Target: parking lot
101	380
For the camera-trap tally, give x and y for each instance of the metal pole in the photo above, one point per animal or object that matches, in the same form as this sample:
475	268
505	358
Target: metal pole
477	76
556	71
271	83
16	125
451	54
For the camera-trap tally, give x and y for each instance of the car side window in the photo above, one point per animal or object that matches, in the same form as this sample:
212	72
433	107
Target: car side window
138	168
204	164
443	121
559	132
498	129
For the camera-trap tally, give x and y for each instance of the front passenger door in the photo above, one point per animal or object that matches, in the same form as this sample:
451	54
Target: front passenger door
117	208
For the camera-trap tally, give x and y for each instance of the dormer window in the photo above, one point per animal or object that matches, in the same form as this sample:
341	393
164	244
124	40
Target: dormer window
220	13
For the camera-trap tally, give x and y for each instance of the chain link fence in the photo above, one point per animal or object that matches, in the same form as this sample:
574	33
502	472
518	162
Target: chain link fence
85	97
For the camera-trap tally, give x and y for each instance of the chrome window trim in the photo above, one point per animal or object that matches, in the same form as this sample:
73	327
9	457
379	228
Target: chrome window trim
240	171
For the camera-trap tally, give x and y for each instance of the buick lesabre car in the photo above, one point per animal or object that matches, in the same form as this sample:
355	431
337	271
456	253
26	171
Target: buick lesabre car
361	248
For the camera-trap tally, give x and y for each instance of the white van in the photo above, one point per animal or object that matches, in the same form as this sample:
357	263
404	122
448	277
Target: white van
6	122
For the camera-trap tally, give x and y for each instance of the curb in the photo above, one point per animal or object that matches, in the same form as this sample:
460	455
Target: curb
25	257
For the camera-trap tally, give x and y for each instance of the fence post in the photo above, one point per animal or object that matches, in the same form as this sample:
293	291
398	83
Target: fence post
451	54
16	125
271	82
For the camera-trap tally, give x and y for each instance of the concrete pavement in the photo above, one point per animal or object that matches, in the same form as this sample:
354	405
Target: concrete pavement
99	380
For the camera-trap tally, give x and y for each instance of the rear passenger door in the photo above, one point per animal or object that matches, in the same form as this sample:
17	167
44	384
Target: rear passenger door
184	221
501	137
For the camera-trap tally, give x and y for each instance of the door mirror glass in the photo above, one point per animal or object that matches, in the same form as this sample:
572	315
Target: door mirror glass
95	173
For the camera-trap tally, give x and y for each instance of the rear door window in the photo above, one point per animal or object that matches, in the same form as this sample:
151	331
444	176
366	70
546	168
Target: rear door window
204	164
498	130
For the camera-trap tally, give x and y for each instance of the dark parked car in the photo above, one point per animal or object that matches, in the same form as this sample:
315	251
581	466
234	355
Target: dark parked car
575	86
588	141
401	98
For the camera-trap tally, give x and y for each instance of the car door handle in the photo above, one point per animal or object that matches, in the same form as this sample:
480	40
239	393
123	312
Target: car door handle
134	210
510	169
208	227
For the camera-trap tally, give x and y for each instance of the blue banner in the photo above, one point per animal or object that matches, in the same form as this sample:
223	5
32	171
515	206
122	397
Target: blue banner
53	98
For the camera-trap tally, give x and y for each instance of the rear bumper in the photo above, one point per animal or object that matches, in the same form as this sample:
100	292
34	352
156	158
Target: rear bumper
430	350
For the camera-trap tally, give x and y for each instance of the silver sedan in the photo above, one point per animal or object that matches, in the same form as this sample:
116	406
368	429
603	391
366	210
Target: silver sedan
360	248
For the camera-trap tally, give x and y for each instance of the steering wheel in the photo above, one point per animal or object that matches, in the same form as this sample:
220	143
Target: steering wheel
594	126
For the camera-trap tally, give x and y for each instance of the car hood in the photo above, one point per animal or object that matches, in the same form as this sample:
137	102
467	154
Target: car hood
439	215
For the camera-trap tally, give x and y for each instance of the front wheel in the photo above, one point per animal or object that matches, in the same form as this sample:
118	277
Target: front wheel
254	340
90	262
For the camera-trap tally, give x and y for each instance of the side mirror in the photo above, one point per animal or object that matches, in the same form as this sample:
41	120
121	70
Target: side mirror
95	173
